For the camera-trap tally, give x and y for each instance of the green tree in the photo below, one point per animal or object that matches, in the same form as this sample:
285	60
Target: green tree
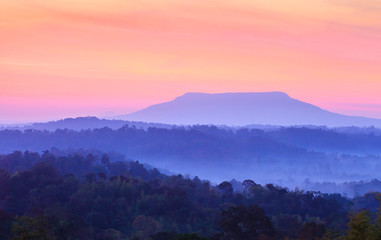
32	228
332	235
361	227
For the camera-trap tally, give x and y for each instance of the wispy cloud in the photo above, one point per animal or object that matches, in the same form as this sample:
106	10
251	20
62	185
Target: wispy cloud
138	50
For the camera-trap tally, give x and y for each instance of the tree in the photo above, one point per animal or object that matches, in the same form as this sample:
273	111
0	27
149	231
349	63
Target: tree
163	236
32	228
105	160
4	182
251	223
360	227
190	236
145	226
332	235
311	230
91	177
225	187
247	184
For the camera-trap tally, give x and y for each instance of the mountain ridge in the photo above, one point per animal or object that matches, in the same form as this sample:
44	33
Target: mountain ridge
83	123
244	108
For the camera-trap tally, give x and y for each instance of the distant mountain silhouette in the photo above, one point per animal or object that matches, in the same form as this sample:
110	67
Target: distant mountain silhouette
83	123
240	109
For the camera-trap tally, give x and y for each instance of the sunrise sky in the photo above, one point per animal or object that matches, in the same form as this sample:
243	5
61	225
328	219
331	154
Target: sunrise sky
66	58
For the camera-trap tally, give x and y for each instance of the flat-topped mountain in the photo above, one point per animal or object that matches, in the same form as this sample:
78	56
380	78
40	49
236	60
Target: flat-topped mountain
239	109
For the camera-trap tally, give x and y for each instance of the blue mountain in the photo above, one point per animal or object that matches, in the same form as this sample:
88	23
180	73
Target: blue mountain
240	109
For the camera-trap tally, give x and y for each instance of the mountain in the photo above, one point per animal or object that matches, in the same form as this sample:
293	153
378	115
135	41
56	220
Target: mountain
240	109
83	123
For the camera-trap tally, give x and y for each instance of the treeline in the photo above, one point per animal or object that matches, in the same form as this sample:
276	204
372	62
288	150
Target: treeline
289	155
80	123
350	189
91	197
350	140
344	140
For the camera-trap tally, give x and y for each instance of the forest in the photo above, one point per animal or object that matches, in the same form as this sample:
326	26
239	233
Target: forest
97	196
286	156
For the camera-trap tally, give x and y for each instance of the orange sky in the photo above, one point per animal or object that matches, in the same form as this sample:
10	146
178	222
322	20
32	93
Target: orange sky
95	57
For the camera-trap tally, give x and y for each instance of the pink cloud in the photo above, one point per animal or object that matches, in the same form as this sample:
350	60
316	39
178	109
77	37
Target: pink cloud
130	56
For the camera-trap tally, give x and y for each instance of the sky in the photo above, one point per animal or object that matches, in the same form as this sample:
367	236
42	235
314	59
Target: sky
66	58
